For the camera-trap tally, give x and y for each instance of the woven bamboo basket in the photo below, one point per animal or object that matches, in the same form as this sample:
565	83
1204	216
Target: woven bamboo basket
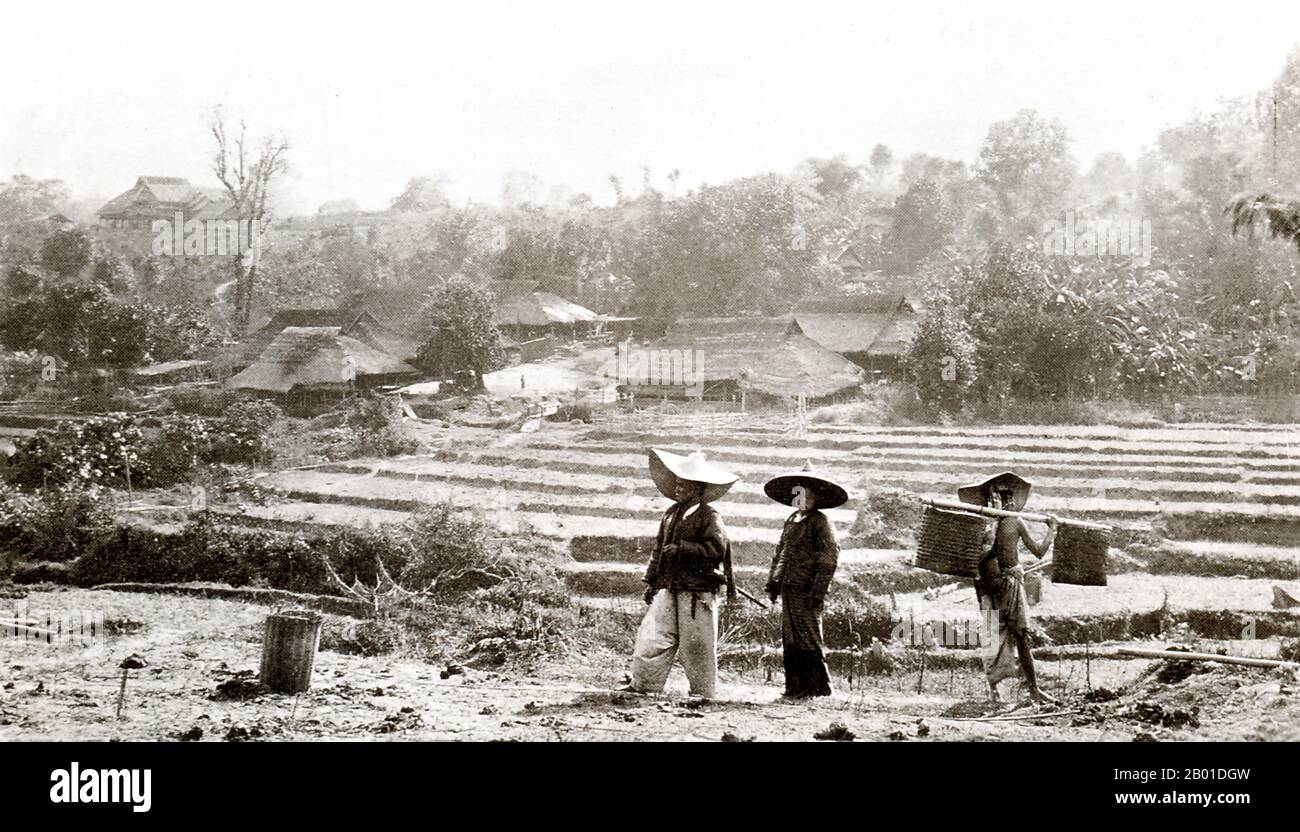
1079	555
950	542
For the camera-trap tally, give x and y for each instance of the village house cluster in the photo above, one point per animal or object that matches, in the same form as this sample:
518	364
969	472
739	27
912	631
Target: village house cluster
831	344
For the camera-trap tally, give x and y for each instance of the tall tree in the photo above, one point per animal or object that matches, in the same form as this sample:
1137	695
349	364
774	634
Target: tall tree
67	252
832	177
1278	116
923	224
882	159
457	319
1106	184
24	199
423	193
247	169
1026	166
733	249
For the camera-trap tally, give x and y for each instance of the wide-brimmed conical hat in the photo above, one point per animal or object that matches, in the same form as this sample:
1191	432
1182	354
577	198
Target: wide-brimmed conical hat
977	492
827	493
667	468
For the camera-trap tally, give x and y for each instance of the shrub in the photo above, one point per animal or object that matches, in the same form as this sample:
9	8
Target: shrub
135	554
373	426
231	480
20	373
524	636
246	432
171	456
56	524
371	413
203	551
94	452
353	553
98	392
576	412
207	550
40	572
941	361
1046	412
256	558
372	637
446	544
109	401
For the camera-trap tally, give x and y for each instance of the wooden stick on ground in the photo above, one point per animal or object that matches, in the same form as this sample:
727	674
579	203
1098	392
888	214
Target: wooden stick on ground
23	628
1245	661
1005	717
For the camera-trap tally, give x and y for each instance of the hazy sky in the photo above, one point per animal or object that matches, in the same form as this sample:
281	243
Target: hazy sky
372	93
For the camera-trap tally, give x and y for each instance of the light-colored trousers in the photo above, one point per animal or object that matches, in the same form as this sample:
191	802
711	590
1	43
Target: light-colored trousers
669	631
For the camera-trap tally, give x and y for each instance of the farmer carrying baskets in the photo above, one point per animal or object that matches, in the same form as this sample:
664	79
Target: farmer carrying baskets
801	574
1000	584
690	563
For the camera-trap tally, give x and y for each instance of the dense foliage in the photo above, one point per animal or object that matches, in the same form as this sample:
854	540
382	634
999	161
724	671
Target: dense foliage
461	335
1196	308
115	451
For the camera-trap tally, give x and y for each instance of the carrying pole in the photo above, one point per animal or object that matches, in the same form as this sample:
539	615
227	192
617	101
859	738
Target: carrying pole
997	512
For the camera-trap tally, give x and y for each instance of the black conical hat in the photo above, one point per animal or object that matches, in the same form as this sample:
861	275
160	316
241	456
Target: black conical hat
977	492
829	494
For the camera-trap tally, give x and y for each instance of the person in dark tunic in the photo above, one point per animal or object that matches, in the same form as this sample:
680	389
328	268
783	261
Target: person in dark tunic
689	565
801	574
1000	585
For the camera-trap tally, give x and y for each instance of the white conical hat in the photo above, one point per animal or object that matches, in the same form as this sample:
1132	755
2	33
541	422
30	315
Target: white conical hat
667	468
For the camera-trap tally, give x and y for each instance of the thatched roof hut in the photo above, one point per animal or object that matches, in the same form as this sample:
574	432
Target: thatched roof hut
305	358
521	308
360	325
771	356
538	309
873	330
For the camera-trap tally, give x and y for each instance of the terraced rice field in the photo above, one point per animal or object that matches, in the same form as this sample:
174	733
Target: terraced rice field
1223	501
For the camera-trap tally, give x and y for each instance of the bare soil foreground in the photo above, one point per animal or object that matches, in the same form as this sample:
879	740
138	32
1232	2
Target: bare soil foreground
202	654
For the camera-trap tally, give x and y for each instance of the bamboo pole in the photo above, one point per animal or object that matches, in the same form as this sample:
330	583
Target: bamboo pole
997	512
1246	661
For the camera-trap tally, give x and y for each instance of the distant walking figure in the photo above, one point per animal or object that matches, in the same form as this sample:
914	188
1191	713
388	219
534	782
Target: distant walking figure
1000	586
690	562
800	576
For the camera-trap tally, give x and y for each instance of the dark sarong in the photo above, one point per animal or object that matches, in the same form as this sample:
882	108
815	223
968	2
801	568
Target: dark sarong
801	646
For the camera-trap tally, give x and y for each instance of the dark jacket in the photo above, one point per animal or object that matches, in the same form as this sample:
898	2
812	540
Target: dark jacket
703	559
806	557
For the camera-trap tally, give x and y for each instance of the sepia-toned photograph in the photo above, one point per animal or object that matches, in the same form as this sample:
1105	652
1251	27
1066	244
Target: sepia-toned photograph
905	373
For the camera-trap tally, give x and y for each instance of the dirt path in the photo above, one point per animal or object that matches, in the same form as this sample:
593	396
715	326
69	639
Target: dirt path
194	646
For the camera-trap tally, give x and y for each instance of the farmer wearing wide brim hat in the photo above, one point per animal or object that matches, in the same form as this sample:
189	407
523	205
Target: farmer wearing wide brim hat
1000	585
801	574
690	563
978	492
